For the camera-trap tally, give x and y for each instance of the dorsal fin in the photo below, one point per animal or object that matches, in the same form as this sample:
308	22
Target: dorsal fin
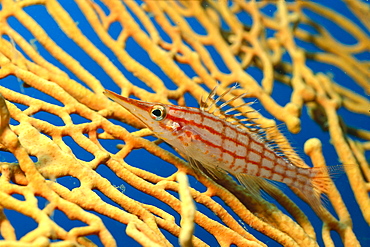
280	144
235	115
210	105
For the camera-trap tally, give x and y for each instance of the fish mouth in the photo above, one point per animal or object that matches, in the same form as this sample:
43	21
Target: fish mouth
137	108
132	105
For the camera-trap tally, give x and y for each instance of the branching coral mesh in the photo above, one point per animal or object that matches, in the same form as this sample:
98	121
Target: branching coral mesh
58	132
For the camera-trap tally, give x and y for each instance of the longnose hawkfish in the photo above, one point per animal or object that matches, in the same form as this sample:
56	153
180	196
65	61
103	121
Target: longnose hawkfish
217	140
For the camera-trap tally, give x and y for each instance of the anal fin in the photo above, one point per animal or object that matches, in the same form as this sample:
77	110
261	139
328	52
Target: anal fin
213	172
252	183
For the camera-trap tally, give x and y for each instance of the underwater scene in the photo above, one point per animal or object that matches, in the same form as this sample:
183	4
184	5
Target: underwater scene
184	123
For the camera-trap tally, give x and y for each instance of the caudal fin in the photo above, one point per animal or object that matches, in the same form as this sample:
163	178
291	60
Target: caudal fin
322	180
322	177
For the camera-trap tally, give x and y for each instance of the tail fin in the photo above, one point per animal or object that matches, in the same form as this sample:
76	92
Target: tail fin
321	181
322	177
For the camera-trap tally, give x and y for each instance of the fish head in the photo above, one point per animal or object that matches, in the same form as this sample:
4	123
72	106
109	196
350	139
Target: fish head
154	115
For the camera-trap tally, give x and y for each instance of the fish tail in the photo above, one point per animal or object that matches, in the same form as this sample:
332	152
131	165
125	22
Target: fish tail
321	182
321	177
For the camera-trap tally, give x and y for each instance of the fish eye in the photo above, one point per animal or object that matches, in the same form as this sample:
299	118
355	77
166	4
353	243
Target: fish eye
158	112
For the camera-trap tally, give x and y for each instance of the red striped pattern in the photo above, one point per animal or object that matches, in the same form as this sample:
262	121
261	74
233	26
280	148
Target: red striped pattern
215	142
234	149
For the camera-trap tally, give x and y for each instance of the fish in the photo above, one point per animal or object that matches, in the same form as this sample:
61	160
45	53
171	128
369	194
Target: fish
220	139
